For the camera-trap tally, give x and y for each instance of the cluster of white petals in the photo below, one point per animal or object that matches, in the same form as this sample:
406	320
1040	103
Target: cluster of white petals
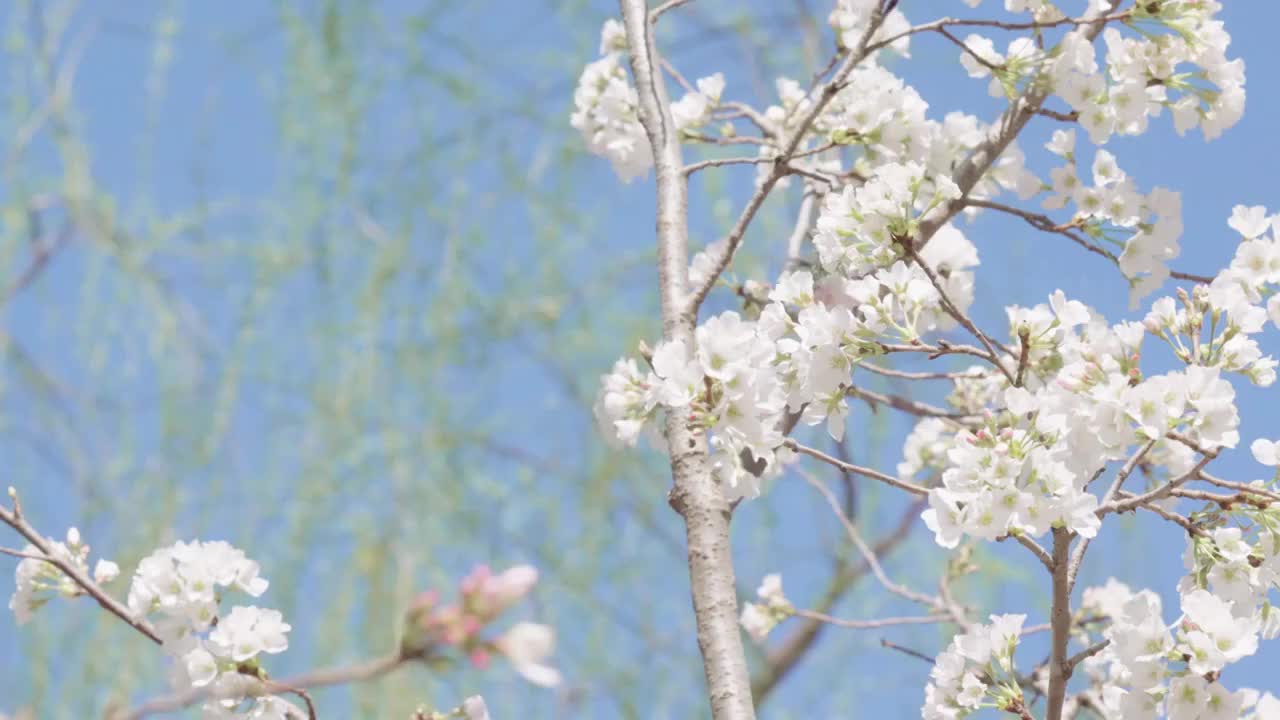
976	669
1175	58
849	20
181	587
880	119
759	618
606	108
1026	466
37	581
1150	669
1108	206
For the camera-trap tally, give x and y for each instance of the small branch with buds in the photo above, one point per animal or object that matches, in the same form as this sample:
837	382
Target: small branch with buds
1046	224
14	518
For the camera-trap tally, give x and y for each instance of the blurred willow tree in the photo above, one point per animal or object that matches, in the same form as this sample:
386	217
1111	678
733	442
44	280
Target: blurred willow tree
333	281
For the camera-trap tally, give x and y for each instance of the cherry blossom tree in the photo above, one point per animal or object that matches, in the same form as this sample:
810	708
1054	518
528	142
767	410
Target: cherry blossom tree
1065	419
1057	422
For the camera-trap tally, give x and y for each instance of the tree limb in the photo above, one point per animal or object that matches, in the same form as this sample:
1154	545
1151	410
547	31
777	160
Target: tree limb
14	519
695	495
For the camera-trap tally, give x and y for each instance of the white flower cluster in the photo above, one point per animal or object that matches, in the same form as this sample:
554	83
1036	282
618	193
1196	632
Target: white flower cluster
1025	467
1143	74
883	117
758	619
182	586
606	107
747	377
976	669
849	21
926	447
862	228
1111	208
1149	668
1254	273
37	581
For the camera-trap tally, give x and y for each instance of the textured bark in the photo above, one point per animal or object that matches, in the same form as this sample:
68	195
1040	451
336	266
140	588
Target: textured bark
695	494
1060	619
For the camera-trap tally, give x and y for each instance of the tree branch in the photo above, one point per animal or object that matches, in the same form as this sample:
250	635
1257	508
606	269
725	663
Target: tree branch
905	404
695	495
804	222
1060	618
1077	557
358	672
14	519
959	316
872	624
1046	224
1087	653
1041	554
942	24
856	469
1011	122
784	657
1163	491
867	555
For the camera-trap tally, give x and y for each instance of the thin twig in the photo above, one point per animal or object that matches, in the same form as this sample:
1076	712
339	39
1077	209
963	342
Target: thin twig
907	375
26	555
935	351
357	672
783	657
1041	554
735	140
664	7
720	162
1087	653
1186	524
1046	224
750	113
865	551
884	643
944	32
1077	556
956	313
856	469
14	519
1239	486
676	74
943	23
872	624
907	405
1162	491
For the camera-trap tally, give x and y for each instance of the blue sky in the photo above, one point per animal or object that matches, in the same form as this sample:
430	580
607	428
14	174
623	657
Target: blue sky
216	133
